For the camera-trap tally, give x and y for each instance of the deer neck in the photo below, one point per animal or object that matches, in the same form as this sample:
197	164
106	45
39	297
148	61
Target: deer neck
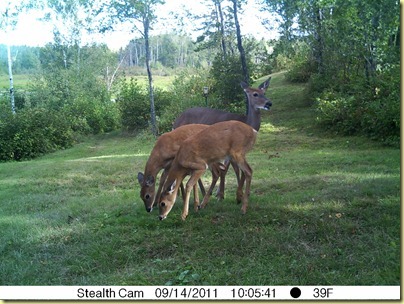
155	163
253	117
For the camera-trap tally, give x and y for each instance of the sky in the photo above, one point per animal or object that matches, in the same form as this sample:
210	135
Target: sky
32	32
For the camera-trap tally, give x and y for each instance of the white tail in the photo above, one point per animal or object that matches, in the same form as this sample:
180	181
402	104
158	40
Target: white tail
229	139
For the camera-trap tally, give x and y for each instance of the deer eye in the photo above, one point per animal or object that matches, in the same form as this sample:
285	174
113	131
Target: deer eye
163	204
255	94
147	196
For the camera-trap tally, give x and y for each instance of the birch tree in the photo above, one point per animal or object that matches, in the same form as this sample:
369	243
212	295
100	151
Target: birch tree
9	12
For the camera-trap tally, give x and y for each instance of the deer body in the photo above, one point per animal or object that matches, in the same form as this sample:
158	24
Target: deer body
229	139
160	158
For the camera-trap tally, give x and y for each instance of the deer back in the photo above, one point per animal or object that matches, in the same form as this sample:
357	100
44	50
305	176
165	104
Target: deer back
215	143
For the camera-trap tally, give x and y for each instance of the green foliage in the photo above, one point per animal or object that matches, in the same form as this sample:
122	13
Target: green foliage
69	81
26	59
374	112
227	75
91	116
350	61
134	104
33	132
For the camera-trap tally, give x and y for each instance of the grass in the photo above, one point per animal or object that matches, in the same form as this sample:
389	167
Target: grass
160	82
20	81
324	210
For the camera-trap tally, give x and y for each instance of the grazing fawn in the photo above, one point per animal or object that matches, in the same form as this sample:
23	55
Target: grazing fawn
228	139
160	158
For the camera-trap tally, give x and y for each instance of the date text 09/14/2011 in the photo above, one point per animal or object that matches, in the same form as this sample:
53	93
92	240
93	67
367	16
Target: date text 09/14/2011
212	293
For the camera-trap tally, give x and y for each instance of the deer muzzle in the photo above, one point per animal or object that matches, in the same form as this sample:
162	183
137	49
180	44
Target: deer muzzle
268	105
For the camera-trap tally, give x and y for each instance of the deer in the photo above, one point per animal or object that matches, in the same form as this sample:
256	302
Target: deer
227	139
161	157
256	100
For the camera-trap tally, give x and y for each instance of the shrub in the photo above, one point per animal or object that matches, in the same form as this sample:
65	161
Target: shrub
133	105
369	109
227	75
92	116
339	111
33	132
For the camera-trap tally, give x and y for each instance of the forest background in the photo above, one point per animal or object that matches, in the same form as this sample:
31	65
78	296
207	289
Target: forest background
346	52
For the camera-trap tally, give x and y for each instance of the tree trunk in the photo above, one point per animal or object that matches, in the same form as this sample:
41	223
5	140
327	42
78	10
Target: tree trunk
146	24
318	35
10	74
241	49
221	24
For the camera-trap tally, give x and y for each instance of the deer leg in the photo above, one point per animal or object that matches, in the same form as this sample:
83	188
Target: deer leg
216	171
236	170
247	172
190	185
196	197
220	190
182	191
239	195
202	187
161	184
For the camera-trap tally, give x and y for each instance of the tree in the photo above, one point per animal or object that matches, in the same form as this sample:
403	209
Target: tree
141	14
243	60
352	61
9	12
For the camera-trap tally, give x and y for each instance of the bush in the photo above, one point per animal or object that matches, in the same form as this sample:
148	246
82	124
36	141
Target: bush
370	109
339	111
227	75
33	132
92	116
134	105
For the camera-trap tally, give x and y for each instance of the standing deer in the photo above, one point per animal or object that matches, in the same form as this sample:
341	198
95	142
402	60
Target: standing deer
256	100
228	139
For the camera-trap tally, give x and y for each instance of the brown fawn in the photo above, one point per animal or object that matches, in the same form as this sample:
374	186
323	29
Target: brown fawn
161	157
228	139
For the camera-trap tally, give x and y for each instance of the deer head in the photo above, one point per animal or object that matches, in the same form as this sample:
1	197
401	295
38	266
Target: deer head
147	190
170	194
256	97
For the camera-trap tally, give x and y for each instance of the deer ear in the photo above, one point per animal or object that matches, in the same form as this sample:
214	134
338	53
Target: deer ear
140	177
265	84
244	85
149	180
171	188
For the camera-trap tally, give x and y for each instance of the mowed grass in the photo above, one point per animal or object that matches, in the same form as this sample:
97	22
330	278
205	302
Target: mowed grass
324	210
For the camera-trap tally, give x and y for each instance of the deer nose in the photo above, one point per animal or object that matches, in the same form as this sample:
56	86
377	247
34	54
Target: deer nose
161	217
268	105
149	209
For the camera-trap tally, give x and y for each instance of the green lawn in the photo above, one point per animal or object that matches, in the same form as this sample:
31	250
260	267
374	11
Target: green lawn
324	210
20	82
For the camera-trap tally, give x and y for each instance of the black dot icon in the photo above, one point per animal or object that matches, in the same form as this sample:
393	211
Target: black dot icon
295	292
